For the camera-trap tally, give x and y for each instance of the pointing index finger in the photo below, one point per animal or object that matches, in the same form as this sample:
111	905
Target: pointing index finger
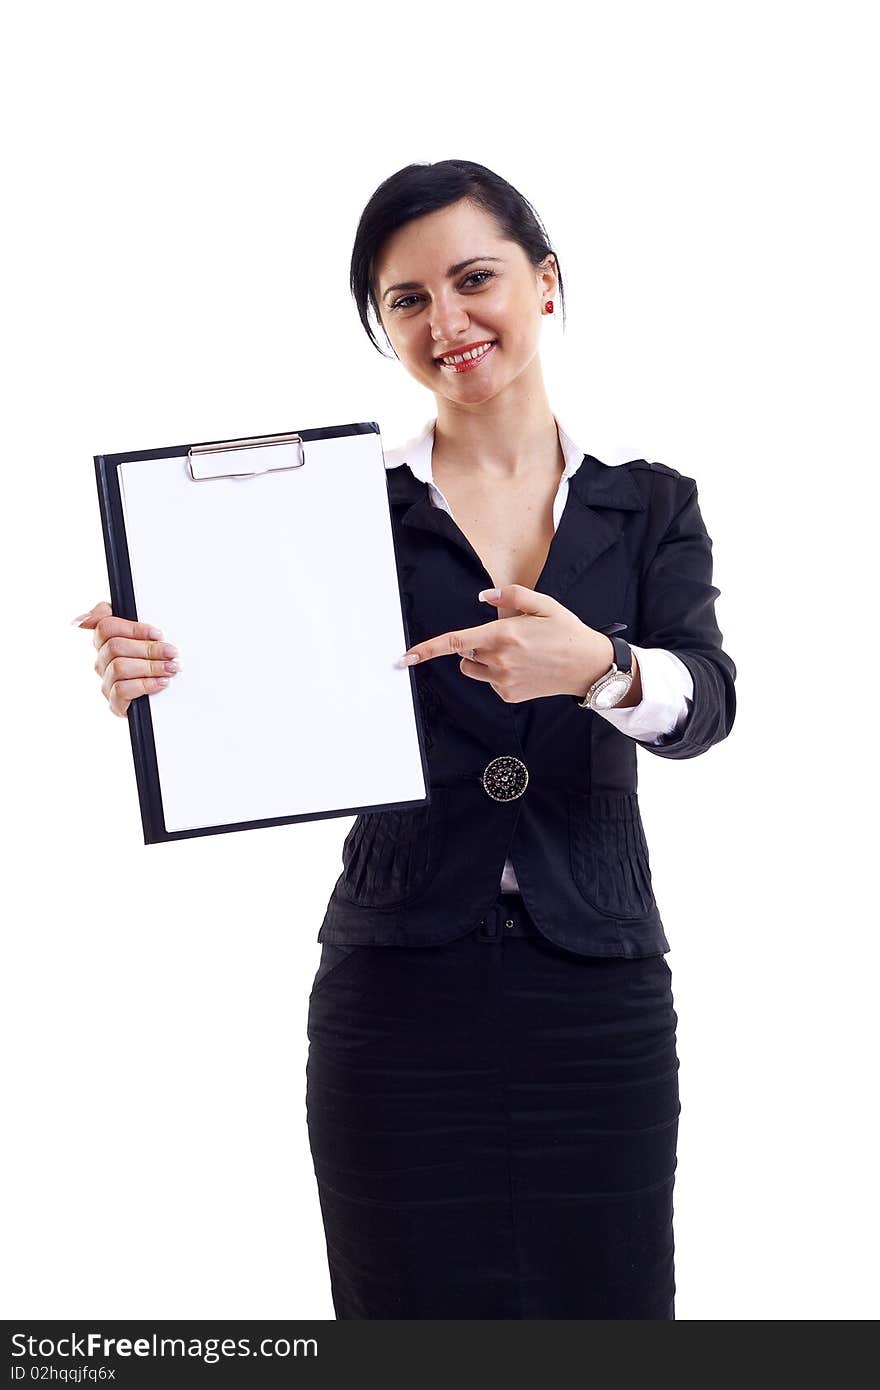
447	644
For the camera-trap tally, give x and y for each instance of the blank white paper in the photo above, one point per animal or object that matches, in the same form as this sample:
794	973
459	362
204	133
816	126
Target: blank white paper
281	593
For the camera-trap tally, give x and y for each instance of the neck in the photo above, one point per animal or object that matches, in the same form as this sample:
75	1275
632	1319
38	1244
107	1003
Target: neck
511	437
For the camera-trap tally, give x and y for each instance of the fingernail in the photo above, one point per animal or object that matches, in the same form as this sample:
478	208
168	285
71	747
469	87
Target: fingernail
162	680
154	632
75	622
488	593
409	660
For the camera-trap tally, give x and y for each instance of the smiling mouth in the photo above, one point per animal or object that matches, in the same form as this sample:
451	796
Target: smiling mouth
464	362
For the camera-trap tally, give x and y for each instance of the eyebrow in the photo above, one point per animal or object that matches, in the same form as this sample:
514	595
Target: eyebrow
453	270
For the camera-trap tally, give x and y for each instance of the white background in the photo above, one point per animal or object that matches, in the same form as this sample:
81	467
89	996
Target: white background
183	185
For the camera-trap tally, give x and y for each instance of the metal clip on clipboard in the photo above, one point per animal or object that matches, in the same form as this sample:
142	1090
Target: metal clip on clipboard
285	443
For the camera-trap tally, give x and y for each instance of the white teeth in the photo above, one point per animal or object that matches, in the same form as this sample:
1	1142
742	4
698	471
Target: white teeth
467	356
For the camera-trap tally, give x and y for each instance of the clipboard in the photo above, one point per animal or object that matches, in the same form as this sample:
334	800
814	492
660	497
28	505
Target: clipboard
270	562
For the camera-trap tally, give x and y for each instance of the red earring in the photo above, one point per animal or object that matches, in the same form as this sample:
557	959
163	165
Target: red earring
548	307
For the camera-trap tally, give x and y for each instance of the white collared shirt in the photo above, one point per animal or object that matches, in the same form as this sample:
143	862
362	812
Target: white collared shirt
667	684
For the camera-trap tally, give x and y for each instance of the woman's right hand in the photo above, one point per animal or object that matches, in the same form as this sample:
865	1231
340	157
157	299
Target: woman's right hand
132	659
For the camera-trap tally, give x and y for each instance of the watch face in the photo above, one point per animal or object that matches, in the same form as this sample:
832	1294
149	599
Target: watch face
610	694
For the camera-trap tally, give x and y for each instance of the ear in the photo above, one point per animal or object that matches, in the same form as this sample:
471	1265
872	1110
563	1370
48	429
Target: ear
549	275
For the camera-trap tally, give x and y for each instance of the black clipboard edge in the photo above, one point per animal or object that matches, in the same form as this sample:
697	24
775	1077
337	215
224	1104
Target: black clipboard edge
160	834
122	602
140	723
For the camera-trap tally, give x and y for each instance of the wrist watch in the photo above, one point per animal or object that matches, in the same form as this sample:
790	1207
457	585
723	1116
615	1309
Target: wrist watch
610	689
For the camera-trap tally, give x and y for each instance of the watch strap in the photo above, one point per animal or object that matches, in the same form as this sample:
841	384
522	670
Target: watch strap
623	657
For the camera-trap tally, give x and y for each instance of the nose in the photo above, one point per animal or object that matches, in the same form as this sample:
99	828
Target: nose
447	320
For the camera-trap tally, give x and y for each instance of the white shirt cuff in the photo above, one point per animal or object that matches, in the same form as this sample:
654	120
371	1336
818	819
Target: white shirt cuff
667	695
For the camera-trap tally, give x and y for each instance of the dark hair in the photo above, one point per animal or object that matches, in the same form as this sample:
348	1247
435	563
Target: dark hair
418	189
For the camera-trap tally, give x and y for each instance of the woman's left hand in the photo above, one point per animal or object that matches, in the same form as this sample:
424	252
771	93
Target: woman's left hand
543	649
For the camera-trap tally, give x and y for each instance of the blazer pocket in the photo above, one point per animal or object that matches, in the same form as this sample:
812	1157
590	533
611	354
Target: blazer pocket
609	853
389	857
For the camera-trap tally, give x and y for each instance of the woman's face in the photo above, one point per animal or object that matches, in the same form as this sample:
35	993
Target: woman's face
428	312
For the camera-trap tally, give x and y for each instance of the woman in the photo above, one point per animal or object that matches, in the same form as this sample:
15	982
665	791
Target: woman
492	1083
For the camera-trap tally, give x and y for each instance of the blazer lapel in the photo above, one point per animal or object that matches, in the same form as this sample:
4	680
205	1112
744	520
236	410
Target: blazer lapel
590	524
413	496
592	521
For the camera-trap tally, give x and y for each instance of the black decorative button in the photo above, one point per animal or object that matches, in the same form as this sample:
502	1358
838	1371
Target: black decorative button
505	778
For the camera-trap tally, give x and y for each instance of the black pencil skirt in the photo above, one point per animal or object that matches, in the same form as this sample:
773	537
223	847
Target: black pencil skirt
493	1124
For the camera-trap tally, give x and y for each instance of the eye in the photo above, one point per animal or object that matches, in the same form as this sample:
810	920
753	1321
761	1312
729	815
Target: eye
488	274
405	301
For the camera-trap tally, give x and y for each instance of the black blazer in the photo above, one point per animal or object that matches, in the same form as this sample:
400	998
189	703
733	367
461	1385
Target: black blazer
631	547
